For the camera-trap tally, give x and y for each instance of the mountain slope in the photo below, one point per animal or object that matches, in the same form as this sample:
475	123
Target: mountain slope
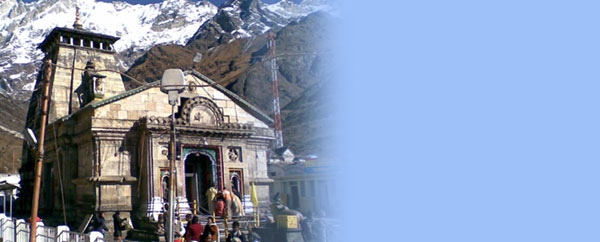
12	116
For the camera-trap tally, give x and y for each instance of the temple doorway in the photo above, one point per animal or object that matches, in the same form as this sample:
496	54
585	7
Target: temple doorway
198	178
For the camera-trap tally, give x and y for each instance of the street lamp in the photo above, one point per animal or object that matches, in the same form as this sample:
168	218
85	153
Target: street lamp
172	83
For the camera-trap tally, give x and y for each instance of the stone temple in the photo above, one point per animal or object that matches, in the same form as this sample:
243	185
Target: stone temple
106	148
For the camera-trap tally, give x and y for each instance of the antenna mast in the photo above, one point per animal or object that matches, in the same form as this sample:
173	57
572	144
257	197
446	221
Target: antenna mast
276	109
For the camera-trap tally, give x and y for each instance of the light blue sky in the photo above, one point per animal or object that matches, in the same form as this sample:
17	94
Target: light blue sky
470	120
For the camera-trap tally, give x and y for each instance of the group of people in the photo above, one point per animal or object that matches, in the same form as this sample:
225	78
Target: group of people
99	225
236	235
224	202
195	232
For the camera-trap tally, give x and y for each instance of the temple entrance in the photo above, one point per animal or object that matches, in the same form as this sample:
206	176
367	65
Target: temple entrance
198	178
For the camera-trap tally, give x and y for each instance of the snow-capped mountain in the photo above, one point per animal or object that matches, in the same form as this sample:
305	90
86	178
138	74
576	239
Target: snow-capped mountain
238	19
24	25
290	10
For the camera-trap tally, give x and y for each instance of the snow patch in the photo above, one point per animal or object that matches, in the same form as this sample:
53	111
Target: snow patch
29	87
22	59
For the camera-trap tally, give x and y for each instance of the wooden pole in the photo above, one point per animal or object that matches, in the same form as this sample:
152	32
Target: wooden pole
225	221
40	160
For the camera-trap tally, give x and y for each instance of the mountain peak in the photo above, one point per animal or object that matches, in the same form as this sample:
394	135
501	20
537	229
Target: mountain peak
231	3
172	3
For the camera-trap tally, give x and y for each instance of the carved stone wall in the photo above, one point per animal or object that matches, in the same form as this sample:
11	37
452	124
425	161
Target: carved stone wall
117	150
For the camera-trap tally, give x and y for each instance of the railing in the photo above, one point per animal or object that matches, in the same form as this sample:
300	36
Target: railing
69	236
21	230
17	230
8	230
45	234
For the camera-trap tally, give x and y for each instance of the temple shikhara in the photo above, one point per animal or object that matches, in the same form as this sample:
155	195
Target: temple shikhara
106	148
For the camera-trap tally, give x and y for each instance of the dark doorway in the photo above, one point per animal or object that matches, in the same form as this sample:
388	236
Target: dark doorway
236	181
165	187
294	202
235	186
198	177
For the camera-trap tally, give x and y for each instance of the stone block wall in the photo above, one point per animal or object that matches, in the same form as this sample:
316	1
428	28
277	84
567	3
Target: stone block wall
104	143
66	83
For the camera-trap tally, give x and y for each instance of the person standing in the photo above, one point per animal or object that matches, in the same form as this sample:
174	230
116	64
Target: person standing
236	234
194	231
252	236
237	207
211	193
211	231
220	206
100	224
227	196
188	222
118	226
177	230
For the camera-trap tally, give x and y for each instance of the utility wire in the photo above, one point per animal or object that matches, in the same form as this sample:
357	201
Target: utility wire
136	80
146	84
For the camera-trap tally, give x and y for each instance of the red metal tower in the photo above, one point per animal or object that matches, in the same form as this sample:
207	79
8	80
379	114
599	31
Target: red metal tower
276	109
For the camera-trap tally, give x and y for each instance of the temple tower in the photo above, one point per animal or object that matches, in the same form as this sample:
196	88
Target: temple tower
80	58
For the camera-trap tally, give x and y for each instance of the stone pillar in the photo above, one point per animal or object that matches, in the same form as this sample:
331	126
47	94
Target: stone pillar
183	206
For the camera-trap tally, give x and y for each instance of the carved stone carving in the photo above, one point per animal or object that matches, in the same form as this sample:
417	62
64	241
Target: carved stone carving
201	115
235	154
201	111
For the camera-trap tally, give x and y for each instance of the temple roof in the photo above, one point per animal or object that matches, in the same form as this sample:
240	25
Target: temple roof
75	33
235	98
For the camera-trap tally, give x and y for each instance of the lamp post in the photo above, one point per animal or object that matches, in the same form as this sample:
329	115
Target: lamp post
172	83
